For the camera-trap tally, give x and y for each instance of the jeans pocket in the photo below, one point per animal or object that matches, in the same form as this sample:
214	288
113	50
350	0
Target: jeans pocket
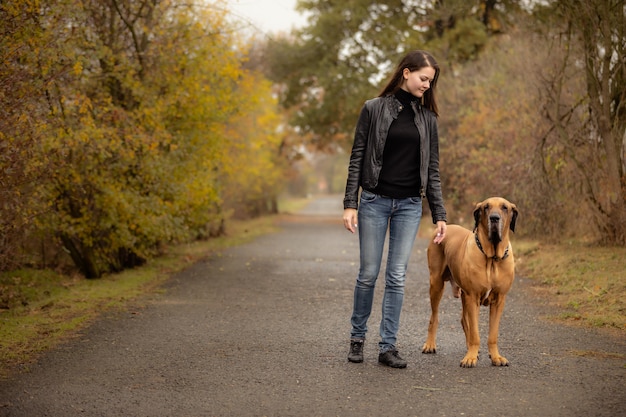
367	196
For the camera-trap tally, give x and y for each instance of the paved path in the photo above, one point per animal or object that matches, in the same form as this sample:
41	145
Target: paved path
262	330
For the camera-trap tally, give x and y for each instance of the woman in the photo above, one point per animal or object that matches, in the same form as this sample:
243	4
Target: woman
395	160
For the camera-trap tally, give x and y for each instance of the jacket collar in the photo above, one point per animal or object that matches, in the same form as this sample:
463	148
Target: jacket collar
396	106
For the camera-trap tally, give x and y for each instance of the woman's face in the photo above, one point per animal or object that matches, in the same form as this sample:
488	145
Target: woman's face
418	81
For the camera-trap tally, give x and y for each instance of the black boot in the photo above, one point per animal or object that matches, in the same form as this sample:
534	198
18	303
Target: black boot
356	351
392	358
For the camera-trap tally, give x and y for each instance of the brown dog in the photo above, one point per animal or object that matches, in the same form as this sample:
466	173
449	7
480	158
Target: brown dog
480	267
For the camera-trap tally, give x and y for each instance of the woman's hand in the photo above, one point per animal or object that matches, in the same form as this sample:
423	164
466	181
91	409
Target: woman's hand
441	232
350	219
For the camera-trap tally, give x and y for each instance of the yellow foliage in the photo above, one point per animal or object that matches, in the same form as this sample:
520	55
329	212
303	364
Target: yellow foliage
132	147
78	68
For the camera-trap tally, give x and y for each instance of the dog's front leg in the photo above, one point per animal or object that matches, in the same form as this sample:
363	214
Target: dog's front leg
495	313
469	321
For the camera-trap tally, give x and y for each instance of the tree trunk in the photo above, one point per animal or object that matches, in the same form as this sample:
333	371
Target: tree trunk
82	259
597	25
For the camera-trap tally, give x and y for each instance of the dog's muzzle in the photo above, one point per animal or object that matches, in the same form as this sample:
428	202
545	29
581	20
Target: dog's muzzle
495	228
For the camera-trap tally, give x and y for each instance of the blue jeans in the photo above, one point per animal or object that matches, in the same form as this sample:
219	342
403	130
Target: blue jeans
401	217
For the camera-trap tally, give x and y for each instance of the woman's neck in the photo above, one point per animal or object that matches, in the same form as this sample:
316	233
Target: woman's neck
405	97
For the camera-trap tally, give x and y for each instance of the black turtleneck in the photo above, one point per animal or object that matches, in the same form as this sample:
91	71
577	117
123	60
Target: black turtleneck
400	173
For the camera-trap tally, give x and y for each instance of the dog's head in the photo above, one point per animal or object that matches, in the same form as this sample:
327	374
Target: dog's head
495	214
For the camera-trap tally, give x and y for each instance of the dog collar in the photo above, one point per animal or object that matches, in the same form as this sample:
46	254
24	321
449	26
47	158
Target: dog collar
495	258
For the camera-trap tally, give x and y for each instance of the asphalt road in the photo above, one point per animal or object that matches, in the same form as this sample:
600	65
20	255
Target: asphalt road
262	330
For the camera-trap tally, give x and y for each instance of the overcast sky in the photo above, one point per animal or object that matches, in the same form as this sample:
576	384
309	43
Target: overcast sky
268	15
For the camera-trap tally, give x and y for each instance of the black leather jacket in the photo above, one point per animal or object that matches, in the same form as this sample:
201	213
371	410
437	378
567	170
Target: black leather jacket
366	158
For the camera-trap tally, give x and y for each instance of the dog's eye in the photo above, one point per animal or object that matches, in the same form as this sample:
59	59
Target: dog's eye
505	208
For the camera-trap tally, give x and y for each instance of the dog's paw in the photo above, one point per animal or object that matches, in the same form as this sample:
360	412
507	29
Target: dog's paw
499	361
469	362
429	348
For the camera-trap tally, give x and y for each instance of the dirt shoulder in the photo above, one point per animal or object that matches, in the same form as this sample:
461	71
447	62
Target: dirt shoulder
261	330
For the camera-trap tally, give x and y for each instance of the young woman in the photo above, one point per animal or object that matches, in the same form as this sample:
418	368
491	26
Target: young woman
395	161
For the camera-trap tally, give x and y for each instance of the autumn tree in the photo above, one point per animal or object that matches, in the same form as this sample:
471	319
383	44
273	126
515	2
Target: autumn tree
582	152
252	166
25	75
487	129
120	124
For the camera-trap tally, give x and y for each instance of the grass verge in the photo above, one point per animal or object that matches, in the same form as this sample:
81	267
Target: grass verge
586	283
41	308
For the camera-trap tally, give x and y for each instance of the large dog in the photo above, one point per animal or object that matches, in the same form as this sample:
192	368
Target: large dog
480	267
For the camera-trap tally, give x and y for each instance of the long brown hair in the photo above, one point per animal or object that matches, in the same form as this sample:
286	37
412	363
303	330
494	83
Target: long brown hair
414	61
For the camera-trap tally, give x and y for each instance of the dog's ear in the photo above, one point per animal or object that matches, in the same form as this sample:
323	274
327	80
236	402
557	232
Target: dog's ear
514	214
478	209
